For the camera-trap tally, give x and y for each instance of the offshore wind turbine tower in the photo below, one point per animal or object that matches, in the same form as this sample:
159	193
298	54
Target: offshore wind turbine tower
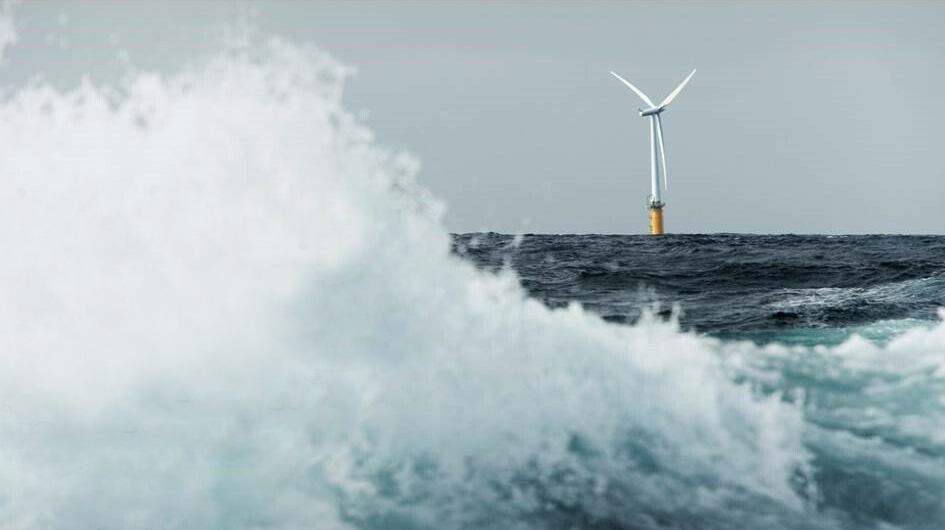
657	151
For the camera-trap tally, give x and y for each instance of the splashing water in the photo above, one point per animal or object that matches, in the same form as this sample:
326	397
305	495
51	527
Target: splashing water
225	306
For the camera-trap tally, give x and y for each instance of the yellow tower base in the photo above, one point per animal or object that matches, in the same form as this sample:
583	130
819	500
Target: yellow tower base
656	220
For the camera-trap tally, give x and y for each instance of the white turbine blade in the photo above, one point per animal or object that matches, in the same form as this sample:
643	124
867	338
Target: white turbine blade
672	95
659	137
635	89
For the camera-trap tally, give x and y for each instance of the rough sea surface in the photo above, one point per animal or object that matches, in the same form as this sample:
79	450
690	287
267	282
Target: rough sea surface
790	288
224	304
830	318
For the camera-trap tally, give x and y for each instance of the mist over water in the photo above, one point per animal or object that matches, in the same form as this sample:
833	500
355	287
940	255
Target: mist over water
226	306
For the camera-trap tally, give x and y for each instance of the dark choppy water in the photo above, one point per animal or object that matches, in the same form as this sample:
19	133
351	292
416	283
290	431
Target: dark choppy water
790	288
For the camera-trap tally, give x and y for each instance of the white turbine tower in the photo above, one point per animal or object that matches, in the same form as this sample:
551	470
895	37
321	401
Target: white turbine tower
657	170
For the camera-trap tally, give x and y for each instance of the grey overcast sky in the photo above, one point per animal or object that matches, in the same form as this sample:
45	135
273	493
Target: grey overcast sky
804	117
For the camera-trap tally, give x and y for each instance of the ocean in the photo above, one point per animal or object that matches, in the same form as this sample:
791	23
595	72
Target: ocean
225	304
822	321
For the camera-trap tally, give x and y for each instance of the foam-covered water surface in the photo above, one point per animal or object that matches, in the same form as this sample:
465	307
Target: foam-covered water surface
224	305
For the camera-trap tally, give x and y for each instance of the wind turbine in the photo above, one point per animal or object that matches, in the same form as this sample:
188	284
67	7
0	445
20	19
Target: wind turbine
655	200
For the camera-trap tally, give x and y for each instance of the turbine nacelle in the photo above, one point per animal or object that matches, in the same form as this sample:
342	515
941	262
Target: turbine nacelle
651	112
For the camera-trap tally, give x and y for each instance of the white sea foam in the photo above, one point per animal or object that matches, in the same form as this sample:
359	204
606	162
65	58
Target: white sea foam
823	297
224	305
